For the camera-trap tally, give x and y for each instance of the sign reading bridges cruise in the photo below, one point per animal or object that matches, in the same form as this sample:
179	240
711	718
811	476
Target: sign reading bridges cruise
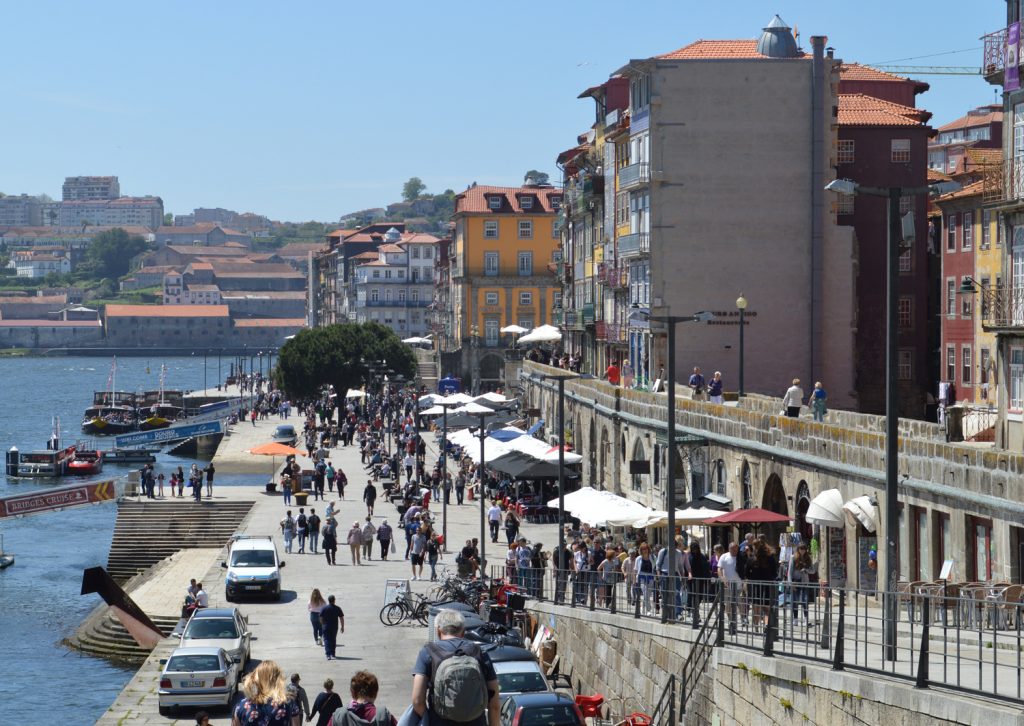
58	499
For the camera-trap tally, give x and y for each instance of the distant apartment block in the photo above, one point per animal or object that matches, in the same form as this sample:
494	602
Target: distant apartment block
90	188
20	211
34	264
205	234
135	211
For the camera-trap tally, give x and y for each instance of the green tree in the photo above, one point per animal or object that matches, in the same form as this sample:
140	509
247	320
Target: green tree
340	355
413	188
112	251
168	219
536	177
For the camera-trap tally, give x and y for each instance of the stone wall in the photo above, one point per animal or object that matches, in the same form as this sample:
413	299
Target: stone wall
631	660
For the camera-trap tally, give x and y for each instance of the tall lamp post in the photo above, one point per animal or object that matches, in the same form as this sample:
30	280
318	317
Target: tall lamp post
483	507
444	469
671	321
846	187
741	305
474	333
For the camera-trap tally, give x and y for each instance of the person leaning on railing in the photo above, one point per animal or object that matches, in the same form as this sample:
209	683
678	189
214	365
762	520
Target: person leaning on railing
728	572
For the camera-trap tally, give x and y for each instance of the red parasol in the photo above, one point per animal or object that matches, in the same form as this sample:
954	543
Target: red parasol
748	516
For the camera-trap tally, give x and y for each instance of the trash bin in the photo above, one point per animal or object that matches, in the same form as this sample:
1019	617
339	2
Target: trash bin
300	498
955	423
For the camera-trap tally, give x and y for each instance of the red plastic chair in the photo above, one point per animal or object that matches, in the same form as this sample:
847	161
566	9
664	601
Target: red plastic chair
590	706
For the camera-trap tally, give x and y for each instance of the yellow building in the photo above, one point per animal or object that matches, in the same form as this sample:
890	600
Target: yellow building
988	272
503	262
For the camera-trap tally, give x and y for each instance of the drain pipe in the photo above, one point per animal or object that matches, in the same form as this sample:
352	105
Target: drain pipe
818	159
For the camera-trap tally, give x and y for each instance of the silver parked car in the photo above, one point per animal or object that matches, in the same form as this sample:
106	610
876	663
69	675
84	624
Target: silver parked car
219	628
198	677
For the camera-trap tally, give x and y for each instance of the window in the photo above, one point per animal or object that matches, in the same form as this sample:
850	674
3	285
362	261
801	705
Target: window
428	253
951	234
951	364
985	280
494	202
491	229
387	295
374	295
526	298
986	229
387	274
943	540
376	274
906	262
401	296
979	545
900	151
967	364
525	323
525	229
844	204
905	312
526	201
905	365
491	264
491	332
984	364
415	252
555	231
845	151
525	263
414	295
556	203
950	296
415	275
490	298
966	303
906	204
1016	383
401	274
967	236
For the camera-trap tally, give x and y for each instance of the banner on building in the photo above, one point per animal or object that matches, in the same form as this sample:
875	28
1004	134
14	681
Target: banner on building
1011	66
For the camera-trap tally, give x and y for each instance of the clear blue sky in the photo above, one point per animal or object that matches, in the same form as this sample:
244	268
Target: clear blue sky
308	110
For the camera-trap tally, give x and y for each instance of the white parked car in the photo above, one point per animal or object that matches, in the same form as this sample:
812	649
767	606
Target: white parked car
253	568
196	677
219	628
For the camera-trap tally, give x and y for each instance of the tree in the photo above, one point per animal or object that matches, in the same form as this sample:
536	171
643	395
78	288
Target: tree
168	219
340	355
536	177
112	251
413	188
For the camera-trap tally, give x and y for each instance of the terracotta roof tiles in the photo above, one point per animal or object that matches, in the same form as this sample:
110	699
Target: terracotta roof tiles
167	311
475	200
857	109
717	49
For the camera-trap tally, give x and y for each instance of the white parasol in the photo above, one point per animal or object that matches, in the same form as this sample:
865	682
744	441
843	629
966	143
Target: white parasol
826	509
542	334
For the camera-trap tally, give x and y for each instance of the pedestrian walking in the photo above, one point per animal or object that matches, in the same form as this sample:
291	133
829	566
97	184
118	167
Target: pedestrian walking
266	700
433	553
715	388
209	478
330	541
288	530
332	619
698	578
297	694
417	553
368	534
325	704
494	520
355	542
818	399
181	482
511	526
363	709
698	387
729	573
301	530
793	399
286	489
798	573
313	525
315	605
369	496
384	535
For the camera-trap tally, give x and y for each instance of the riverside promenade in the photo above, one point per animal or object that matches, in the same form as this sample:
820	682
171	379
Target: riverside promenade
281	630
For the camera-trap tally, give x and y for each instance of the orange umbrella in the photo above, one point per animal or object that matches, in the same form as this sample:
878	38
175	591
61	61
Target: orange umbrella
275	449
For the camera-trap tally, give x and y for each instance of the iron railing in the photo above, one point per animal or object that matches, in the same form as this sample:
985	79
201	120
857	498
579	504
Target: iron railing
634	175
1002	181
634	244
961	636
664	712
993	57
1002	307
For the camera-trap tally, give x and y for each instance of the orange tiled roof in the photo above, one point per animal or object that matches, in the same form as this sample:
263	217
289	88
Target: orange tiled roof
970	120
935	175
390	248
419	238
971	190
270	322
368	255
167	311
720	49
857	109
984	157
474	200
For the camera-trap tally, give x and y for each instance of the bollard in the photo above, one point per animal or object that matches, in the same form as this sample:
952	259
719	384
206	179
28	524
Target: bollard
922	661
720	597
838	654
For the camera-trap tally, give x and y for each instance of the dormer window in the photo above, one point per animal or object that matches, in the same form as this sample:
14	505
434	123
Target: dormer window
494	202
556	203
526	202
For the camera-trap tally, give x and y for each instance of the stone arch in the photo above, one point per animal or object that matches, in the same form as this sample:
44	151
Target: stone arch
719	477
774	500
639	454
492	370
596	480
746	486
803	501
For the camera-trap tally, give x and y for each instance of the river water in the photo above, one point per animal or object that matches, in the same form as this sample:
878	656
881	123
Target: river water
40	604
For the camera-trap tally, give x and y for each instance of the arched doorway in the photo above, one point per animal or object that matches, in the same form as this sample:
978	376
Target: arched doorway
638	455
774	500
747	490
596	480
492	372
803	501
720	478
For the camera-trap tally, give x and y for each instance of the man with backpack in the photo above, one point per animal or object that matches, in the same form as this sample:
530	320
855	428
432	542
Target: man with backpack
453	680
313	525
301	530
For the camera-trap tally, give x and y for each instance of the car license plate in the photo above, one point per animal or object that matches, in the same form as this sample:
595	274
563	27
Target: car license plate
193	684
252	587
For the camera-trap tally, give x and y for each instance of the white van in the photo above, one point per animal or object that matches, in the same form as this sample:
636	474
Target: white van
253	568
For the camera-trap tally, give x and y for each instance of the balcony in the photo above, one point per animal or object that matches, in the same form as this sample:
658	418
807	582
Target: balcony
634	245
634	176
600	330
993	57
616	332
393	303
572	320
556	318
616	278
1003	181
588	313
1002	309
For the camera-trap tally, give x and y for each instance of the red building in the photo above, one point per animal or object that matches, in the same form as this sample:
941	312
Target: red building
883	142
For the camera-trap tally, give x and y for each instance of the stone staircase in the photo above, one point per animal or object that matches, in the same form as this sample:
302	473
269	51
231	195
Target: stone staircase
105	637
426	369
146	532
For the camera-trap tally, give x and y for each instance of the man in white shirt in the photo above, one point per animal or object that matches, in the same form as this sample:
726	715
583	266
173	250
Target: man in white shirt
732	582
202	599
494	520
793	399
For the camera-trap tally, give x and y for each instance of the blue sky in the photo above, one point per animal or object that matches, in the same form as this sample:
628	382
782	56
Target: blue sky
307	110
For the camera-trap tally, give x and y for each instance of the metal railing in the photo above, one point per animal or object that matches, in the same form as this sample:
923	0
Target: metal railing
634	175
962	636
993	58
1002	307
1002	181
664	712
634	244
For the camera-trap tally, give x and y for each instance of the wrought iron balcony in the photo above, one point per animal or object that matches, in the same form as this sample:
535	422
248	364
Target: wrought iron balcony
1002	308
993	59
616	278
1003	181
588	313
572	320
634	175
634	245
600	330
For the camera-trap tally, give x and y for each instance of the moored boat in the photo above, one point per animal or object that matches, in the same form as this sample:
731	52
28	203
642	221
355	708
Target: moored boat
46	464
85	462
110	420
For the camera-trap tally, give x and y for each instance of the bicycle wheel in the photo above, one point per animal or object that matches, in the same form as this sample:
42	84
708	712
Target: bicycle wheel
392	613
422	612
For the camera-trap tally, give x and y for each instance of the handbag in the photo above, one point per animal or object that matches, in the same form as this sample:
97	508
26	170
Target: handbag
393	548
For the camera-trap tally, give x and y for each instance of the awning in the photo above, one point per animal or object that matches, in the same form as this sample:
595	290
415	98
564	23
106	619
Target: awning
692	515
862	510
826	509
600	508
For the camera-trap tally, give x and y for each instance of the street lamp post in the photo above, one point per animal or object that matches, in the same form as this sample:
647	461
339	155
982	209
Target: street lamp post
480	492
741	305
444	469
474	333
671	321
890	611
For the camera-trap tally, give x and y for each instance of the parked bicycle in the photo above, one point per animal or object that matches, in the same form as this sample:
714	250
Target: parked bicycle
405	608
